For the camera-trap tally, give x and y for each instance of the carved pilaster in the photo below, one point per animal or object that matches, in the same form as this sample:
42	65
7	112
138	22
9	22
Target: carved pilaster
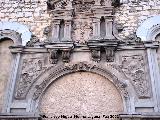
109	28
96	28
67	31
55	31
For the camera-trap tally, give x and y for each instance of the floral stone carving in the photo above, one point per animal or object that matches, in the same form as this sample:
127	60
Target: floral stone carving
71	68
31	69
134	69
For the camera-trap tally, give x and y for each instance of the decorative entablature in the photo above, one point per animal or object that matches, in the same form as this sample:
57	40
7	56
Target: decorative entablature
53	4
82	22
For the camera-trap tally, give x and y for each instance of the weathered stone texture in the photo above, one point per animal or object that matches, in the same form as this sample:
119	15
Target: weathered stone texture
35	14
29	12
82	94
4	67
131	15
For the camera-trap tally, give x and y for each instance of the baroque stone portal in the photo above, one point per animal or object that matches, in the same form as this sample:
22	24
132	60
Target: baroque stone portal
82	94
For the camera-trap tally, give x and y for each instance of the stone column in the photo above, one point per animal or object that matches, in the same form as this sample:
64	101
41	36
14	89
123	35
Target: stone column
109	28
55	31
96	28
67	31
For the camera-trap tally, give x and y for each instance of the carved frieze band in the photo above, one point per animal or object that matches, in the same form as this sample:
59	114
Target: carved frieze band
80	5
71	68
31	69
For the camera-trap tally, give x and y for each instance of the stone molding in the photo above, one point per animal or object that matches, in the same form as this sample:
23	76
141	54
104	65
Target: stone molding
140	116
148	30
59	71
15	36
23	30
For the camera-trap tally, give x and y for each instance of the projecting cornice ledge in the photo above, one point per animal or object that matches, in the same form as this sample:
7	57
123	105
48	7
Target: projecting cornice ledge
111	46
143	116
11	116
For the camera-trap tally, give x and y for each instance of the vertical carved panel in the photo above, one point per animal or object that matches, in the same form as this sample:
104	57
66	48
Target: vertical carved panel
31	69
134	68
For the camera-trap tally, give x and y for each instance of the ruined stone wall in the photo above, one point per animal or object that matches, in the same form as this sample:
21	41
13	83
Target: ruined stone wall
131	14
34	14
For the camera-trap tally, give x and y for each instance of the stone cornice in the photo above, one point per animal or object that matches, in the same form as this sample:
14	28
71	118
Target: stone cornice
22	116
140	116
130	45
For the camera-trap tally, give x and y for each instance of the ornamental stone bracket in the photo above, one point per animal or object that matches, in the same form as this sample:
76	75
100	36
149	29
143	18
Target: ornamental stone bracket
62	48
97	47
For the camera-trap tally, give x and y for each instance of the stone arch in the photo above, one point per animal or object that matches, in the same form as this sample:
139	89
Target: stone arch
10	34
19	33
53	73
149	29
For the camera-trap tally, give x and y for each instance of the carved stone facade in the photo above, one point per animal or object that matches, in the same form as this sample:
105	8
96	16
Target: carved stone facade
83	67
31	69
88	94
134	69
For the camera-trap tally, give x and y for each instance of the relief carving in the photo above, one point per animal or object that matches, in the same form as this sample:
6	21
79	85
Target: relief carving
71	68
82	30
54	56
66	55
96	55
110	53
32	41
31	69
15	36
134	69
83	5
